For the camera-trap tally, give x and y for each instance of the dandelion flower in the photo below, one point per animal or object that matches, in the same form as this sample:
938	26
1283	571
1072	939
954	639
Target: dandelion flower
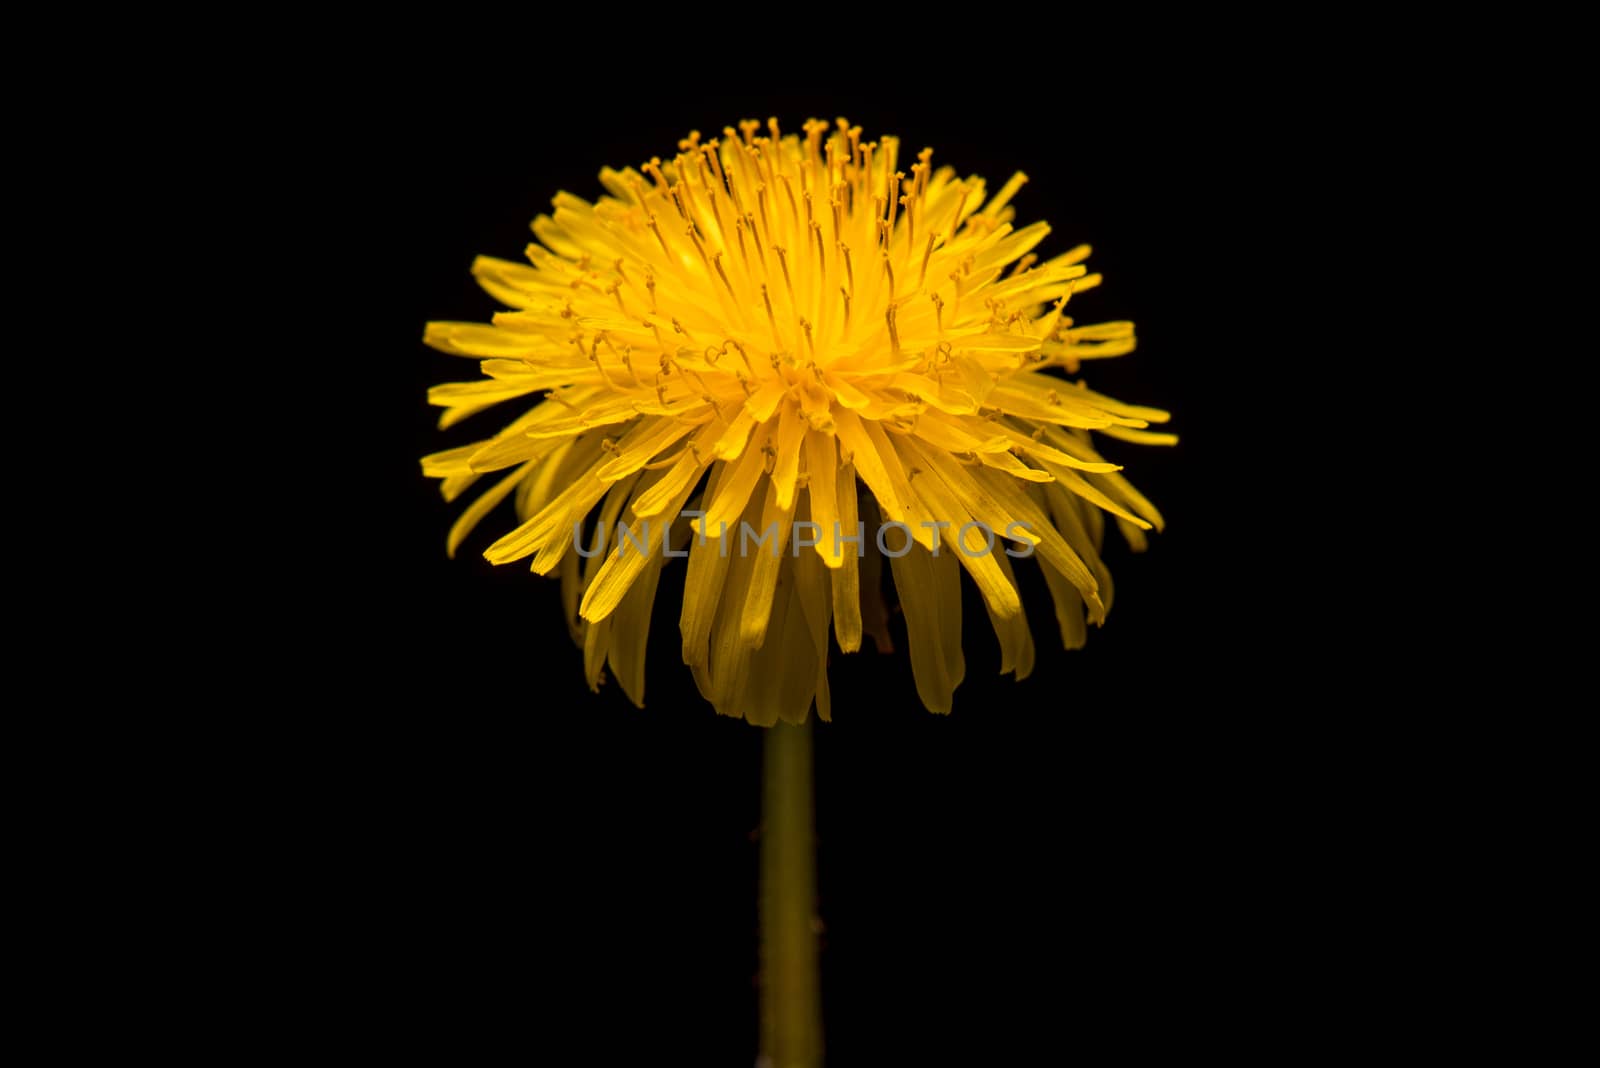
827	354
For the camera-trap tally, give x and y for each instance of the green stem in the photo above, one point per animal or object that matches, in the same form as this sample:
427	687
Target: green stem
791	1003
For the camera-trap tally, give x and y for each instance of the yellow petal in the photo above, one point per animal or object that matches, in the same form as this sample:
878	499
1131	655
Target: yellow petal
450	462
1068	511
729	661
640	445
1037	448
768	559
795	654
733	494
569	456
874	610
811	591
596	643
874	457
915	582
571	590
764	401
732	442
482	341
474	512
1004	461
508	449
702	586
1015	505
1139	437
515	284
604	533
786	466
946	596
552	525
822	469
630	630
1068	604
845	580
626	562
467	398
1016	640
1113	484
1077	484
999	594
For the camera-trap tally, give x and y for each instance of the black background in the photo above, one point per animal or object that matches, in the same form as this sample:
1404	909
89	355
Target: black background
1121	828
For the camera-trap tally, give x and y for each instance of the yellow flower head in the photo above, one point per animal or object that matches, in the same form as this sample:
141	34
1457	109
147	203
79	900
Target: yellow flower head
725	343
